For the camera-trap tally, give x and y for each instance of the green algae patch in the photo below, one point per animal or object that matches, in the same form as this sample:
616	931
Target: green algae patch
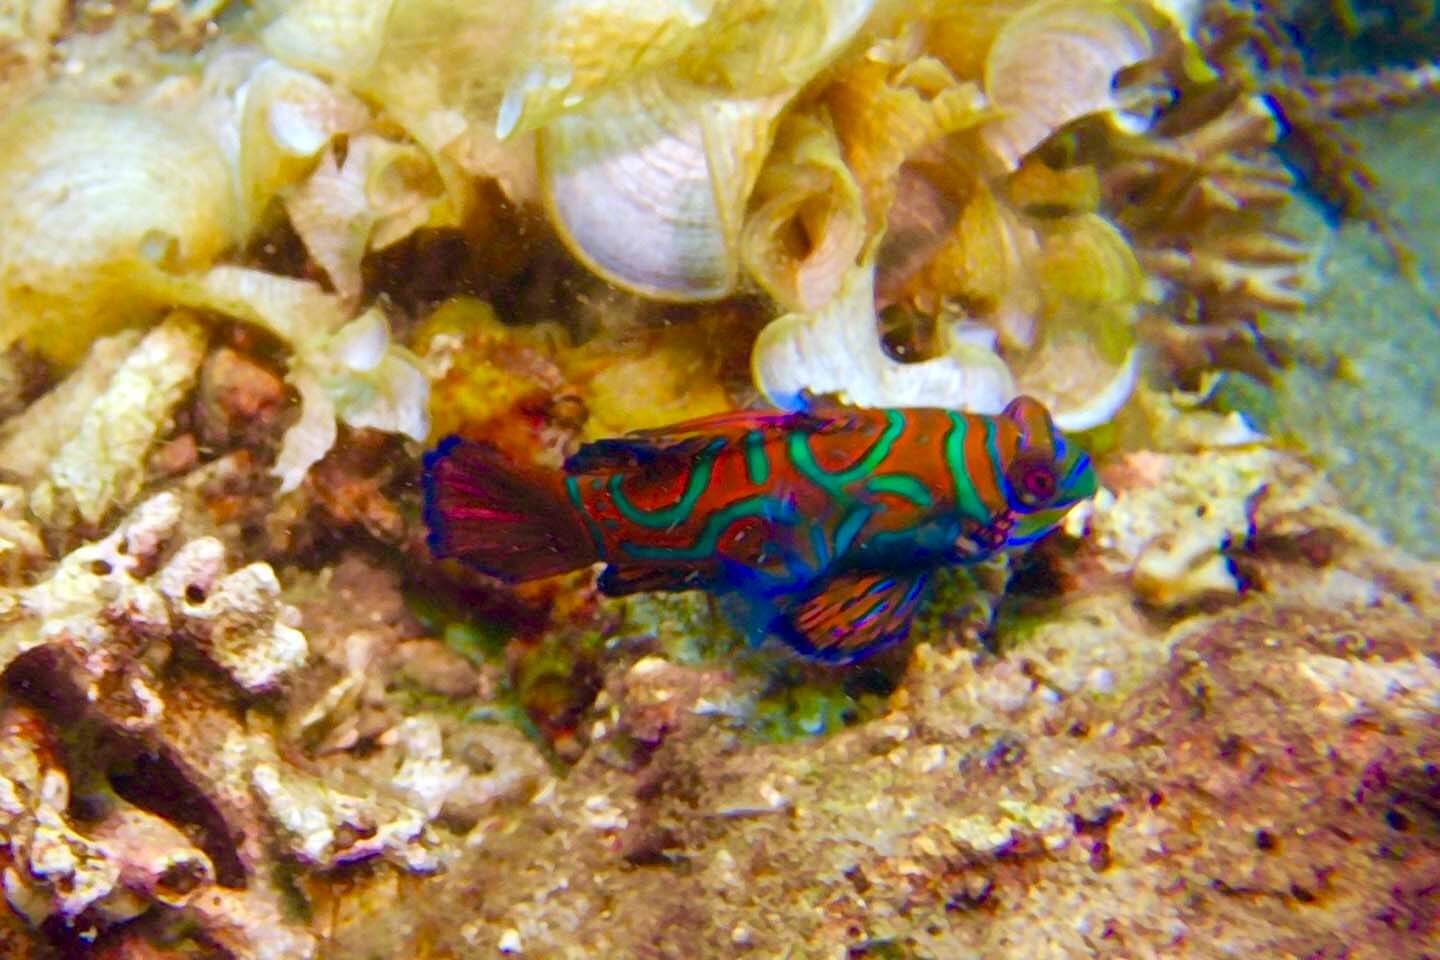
689	628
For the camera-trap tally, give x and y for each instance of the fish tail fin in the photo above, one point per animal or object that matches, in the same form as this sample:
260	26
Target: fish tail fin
506	520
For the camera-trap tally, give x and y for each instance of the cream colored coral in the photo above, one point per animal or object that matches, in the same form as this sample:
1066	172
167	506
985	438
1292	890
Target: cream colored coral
1056	61
30	440
93	199
237	619
807	224
837	350
20	543
325	827
345	369
1170	532
382	193
70	605
102	466
658	116
286	119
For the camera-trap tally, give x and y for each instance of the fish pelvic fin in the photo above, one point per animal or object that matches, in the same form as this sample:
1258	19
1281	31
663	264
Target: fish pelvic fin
846	618
506	520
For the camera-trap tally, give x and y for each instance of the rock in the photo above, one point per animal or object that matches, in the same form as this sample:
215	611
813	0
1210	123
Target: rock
239	400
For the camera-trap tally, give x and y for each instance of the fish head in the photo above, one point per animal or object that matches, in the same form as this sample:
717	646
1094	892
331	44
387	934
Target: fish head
1045	478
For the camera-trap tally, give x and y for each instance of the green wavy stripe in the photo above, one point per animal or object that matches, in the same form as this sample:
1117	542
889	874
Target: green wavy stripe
903	485
966	497
834	483
849	527
757	462
704	546
572	487
678	512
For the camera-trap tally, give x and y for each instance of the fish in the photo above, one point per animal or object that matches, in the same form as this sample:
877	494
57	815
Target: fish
824	525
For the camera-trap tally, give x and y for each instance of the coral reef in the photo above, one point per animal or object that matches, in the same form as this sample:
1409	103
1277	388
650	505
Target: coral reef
920	157
251	260
185	802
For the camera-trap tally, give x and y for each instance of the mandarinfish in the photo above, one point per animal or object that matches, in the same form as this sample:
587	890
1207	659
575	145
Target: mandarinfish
825	524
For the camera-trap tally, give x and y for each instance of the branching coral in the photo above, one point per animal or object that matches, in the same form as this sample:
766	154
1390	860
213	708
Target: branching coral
1261	47
1198	197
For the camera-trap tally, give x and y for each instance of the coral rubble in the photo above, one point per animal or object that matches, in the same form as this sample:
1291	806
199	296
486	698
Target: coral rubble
106	651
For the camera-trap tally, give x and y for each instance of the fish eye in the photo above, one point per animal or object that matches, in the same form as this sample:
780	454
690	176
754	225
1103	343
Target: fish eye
1034	482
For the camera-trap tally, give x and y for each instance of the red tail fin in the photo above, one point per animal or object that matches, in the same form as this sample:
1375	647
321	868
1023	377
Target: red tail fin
503	519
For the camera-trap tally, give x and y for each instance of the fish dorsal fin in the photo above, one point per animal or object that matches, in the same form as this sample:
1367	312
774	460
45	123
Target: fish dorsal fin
736	423
682	441
630	452
849	617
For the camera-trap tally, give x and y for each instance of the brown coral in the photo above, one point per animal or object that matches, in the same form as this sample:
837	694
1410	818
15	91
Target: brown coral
1257	46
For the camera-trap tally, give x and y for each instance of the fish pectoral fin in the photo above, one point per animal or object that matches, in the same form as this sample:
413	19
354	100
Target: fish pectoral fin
847	618
617	581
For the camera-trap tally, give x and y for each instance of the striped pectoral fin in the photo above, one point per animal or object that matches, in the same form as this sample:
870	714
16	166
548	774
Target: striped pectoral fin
847	618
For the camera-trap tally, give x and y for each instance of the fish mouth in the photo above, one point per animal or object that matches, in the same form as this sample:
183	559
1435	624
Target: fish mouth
978	539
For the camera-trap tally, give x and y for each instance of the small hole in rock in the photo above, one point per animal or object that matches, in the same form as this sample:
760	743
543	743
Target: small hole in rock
100	567
194	594
181	878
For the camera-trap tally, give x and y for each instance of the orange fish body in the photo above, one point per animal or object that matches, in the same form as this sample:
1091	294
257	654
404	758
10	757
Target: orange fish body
826	522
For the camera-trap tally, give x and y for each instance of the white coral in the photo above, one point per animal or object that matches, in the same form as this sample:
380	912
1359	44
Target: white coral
836	350
97	600
348	370
102	466
236	619
325	827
